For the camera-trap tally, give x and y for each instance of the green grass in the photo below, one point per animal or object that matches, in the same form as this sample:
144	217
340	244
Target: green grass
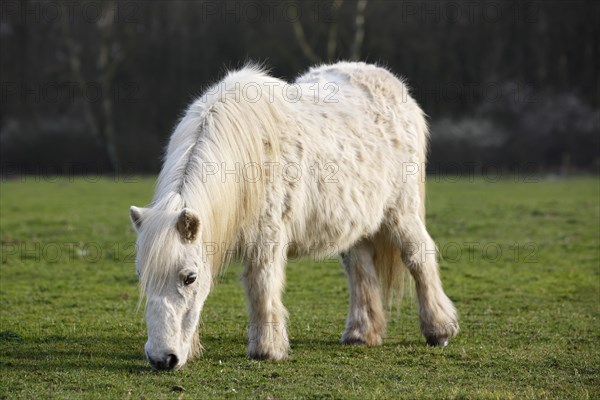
529	316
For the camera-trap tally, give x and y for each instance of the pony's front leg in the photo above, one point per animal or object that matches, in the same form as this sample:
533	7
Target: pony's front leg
264	281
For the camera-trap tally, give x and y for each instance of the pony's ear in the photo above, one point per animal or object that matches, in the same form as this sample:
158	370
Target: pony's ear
136	215
188	225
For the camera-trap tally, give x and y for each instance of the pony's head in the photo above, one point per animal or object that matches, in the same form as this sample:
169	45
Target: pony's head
175	280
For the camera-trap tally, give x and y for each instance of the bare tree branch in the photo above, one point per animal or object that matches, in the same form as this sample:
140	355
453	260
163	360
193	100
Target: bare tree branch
103	133
333	30
107	65
359	29
306	48
74	61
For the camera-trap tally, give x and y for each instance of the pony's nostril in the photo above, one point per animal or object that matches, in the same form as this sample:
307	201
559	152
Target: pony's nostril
167	363
171	361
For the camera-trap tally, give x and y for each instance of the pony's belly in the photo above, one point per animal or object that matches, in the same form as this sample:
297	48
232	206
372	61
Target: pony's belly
332	233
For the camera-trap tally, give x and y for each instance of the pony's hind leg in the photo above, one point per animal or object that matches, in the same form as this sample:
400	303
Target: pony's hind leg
264	282
436	312
366	319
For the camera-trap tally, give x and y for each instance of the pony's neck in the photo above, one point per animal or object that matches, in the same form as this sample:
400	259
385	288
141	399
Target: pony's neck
203	168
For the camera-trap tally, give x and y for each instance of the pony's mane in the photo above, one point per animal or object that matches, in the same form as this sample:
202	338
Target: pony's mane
152	239
222	131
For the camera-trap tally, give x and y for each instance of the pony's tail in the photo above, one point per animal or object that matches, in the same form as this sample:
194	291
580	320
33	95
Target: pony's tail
390	269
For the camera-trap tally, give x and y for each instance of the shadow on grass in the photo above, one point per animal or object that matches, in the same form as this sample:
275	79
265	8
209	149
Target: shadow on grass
232	348
125	354
64	353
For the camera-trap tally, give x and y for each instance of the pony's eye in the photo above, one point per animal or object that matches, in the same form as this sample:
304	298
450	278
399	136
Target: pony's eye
191	278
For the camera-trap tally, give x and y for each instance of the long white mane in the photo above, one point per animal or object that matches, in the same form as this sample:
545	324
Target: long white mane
218	132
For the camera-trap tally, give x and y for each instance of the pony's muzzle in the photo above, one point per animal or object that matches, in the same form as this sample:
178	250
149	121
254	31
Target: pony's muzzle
165	364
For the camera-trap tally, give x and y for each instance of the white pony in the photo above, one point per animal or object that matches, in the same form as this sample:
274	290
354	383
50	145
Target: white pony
264	169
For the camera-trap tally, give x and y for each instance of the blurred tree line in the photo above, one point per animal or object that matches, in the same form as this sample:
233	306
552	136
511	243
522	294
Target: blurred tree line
96	86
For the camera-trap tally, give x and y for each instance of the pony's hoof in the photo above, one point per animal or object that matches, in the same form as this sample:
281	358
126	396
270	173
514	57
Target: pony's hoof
353	341
272	355
267	357
437	341
441	335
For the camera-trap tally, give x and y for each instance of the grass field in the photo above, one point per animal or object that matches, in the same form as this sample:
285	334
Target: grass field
521	262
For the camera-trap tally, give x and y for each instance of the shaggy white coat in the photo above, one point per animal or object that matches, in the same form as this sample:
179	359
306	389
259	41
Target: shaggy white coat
264	169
